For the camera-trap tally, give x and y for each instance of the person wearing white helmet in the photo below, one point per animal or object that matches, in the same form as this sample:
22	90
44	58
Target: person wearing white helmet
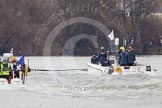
102	56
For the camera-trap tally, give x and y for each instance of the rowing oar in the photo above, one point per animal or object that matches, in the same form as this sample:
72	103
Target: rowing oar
59	70
155	70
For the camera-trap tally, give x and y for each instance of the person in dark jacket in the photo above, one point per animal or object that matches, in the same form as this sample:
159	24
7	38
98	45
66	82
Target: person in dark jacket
123	58
15	67
131	56
118	54
94	59
102	55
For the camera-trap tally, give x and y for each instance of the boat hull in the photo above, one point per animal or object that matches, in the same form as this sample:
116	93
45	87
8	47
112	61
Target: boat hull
118	70
3	81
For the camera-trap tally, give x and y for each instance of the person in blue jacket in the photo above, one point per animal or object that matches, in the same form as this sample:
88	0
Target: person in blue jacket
118	54
123	57
102	55
131	56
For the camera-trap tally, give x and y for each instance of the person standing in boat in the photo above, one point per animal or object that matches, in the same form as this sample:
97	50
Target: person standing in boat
5	71
118	54
123	57
102	55
131	56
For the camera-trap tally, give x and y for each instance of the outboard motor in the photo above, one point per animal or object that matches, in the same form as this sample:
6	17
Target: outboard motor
148	68
111	70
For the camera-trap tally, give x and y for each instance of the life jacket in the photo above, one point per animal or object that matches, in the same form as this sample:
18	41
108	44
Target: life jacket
4	69
14	66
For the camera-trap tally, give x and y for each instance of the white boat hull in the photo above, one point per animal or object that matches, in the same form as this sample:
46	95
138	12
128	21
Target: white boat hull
96	69
3	81
16	81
